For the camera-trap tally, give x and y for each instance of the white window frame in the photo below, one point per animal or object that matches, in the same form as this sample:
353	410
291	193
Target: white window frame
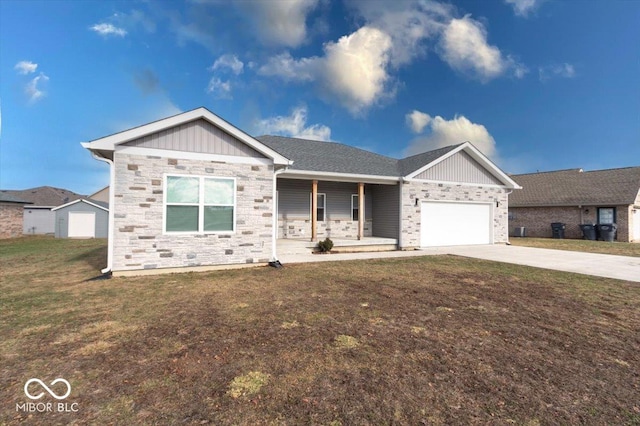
354	206
324	206
201	205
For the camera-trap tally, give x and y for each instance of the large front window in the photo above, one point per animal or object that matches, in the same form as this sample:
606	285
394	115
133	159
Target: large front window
197	204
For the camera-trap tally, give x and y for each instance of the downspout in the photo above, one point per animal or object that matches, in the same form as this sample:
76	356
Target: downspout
112	179
274	218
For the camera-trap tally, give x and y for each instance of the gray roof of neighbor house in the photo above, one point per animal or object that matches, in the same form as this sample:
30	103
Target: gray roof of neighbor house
44	195
318	156
10	198
575	187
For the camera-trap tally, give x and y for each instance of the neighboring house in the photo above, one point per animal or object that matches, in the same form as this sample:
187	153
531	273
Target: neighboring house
84	218
38	217
192	190
11	215
102	195
576	197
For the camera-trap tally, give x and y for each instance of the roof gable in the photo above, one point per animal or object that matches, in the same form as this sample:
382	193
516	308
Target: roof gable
103	146
98	204
575	187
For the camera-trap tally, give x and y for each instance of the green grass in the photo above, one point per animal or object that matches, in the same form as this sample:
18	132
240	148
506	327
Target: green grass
425	340
617	248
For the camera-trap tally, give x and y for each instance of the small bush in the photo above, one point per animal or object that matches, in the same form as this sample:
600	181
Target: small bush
325	246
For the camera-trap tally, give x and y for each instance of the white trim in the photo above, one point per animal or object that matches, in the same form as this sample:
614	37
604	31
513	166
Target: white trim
339	177
476	155
483	185
200	205
109	142
185	155
324	206
79	200
274	219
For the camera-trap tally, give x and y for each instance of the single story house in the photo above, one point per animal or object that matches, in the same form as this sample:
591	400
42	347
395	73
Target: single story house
194	191
576	197
11	216
83	218
38	215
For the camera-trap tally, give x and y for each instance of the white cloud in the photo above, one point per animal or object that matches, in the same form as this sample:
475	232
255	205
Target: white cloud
450	132
220	89
26	67
464	47
280	23
230	62
294	125
33	91
524	7
106	30
417	120
353	69
564	70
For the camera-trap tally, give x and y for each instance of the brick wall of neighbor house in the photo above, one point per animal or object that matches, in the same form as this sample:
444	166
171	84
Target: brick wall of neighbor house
449	192
301	228
139	241
537	220
11	217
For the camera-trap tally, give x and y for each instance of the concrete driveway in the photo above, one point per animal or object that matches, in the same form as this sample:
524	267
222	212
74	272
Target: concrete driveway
599	265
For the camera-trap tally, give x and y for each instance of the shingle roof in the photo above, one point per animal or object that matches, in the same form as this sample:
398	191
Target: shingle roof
333	157
11	198
44	195
575	187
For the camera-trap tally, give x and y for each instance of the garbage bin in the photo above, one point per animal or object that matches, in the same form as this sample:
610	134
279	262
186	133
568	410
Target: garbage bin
520	231
608	231
588	232
557	229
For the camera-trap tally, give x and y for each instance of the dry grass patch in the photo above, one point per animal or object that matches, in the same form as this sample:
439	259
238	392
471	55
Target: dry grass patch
616	248
346	342
248	384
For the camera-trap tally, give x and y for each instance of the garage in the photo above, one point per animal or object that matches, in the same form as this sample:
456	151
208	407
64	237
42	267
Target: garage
82	224
82	219
454	223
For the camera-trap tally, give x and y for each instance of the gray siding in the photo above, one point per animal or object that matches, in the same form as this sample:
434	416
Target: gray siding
385	210
294	199
39	221
196	136
62	219
460	167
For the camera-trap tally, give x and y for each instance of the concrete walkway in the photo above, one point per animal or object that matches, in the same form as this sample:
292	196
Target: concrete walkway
599	265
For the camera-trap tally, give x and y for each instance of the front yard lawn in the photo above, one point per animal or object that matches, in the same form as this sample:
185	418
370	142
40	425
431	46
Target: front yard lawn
617	248
425	340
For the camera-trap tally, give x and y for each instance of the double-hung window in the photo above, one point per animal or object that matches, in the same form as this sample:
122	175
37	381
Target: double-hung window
355	206
321	207
198	204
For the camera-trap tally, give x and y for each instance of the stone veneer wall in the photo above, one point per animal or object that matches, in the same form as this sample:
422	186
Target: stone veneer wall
139	241
448	192
11	217
301	228
538	220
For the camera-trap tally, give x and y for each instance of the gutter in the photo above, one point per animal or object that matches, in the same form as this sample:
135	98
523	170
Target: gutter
112	179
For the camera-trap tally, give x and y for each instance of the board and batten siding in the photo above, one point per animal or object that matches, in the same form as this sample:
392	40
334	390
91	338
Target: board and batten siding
196	136
62	219
460	167
385	210
294	199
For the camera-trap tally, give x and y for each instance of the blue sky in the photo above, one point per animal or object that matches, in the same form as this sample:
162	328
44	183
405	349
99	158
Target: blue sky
535	84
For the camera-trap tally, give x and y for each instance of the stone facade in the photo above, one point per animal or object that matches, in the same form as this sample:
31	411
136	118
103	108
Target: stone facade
11	217
139	241
423	191
301	228
537	220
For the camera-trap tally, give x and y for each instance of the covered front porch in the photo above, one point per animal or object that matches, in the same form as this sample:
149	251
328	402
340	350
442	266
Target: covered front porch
289	246
352	214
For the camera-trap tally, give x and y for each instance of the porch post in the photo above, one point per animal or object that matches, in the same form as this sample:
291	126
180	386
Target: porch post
314	210
360	210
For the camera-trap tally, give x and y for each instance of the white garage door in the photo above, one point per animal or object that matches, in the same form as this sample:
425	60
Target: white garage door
453	224
636	225
82	224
